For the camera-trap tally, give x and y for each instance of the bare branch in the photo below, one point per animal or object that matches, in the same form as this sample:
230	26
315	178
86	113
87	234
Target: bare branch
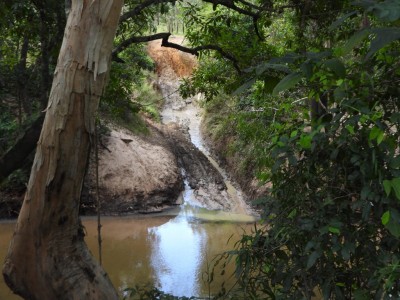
230	4
134	40
196	50
164	36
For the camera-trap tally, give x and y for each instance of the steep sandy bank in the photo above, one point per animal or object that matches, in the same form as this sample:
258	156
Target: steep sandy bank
144	173
136	174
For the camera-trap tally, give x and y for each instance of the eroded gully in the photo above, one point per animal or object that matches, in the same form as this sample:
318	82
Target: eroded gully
173	251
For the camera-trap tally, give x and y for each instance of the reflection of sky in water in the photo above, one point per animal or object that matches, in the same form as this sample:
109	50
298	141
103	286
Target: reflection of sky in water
178	248
177	256
177	251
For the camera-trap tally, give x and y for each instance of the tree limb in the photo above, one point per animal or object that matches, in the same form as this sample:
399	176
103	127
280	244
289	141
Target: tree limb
164	36
230	4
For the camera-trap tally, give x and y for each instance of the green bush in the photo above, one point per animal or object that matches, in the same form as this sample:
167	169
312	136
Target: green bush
332	217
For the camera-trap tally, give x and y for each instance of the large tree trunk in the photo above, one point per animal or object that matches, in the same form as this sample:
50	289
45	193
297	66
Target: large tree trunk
48	258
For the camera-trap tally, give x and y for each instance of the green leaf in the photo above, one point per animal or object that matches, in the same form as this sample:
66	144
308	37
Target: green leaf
385	218
293	134
287	82
339	93
309	246
341	284
394	184
386	11
244	87
312	258
347	249
350	129
292	214
380	137
384	36
396	187
394	228
305	141
387	185
340	21
361	295
307	69
355	40
395	162
268	66
270	82
334	230
375	133
336	66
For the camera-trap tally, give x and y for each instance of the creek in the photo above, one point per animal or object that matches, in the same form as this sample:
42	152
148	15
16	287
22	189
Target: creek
175	250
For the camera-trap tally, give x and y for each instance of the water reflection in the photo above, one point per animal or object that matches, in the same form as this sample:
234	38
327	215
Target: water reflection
171	252
182	248
177	255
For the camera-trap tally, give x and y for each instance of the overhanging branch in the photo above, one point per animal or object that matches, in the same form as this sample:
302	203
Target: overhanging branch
231	4
164	36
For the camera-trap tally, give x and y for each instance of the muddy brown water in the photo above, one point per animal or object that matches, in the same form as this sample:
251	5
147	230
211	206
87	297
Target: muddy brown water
172	251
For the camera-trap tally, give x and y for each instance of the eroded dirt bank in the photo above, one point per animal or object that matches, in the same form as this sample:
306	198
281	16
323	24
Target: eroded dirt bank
145	173
137	173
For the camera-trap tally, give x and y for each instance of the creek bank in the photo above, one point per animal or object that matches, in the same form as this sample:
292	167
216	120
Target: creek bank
249	184
137	173
146	173
142	173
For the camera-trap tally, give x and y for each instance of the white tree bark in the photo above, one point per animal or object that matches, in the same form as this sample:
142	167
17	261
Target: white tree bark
48	258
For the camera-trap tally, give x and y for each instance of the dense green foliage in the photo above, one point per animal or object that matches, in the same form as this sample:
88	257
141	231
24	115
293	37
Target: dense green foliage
329	147
30	38
29	42
130	92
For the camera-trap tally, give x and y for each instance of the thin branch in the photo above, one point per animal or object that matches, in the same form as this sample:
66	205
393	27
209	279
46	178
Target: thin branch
230	4
255	24
164	36
137	39
196	50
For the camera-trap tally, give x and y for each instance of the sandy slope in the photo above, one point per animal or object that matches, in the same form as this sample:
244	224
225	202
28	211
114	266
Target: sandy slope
135	174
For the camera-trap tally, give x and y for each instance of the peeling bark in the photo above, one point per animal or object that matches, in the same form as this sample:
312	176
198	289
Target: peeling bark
48	258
